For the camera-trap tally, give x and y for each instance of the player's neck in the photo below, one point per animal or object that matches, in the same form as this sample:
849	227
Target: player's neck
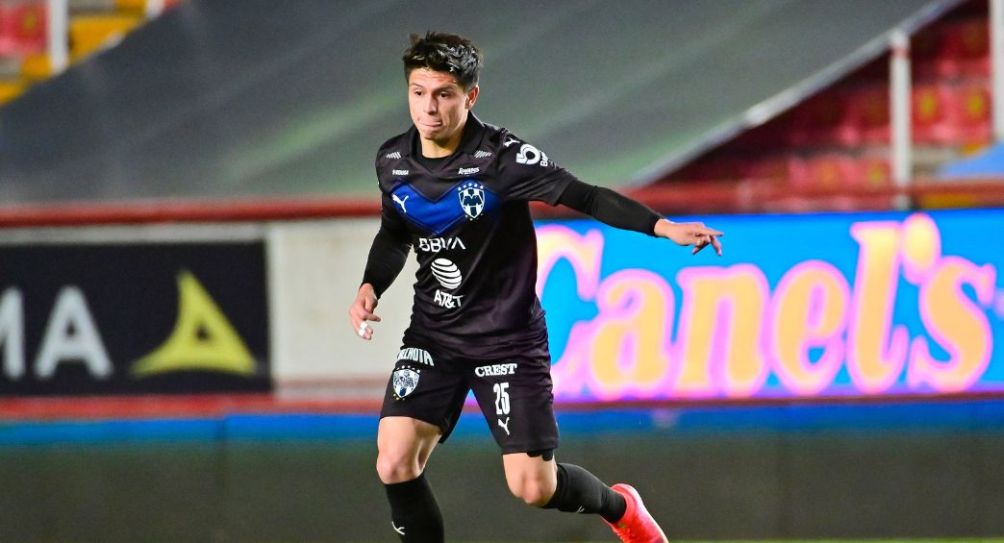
444	148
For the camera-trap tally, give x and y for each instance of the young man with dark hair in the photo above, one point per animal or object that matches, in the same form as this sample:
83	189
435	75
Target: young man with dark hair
456	190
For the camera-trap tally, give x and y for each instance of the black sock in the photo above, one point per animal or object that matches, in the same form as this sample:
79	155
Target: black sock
579	491
414	512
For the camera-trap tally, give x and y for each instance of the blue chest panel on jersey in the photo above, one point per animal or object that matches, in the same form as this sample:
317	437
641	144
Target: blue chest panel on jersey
468	200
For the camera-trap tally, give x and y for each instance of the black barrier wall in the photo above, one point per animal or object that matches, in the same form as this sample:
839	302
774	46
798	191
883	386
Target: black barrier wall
93	318
718	485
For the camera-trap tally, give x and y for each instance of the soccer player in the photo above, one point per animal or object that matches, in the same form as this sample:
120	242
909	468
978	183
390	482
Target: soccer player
456	190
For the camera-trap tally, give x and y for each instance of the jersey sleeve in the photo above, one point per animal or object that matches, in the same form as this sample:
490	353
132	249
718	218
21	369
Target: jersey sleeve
529	174
389	251
610	207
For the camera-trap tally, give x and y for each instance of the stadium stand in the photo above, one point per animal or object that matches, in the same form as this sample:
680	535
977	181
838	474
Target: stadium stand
94	25
840	137
257	120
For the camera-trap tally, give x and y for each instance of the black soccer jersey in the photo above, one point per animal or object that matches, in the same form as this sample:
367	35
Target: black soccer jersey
468	219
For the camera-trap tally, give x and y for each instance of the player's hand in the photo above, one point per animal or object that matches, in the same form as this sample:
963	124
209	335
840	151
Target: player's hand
690	233
361	311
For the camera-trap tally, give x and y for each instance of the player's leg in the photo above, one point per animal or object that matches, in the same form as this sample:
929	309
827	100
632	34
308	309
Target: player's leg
575	490
404	446
515	397
539	480
530	478
422	403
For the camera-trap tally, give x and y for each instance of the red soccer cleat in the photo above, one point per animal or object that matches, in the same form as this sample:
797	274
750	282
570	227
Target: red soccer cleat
637	524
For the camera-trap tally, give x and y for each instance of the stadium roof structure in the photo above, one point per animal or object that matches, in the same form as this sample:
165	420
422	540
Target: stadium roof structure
259	98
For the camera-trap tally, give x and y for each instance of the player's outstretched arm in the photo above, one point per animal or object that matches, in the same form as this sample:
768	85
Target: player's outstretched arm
615	209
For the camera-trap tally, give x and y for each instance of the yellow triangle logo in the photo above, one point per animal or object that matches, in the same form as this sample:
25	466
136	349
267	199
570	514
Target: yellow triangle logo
203	338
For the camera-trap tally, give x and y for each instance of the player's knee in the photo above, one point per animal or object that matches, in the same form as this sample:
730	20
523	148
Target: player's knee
397	468
536	491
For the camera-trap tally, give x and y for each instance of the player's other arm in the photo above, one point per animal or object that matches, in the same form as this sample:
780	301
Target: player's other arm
615	209
387	257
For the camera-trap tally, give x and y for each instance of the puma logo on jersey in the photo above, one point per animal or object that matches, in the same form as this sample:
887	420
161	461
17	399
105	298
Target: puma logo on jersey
504	425
400	202
398	529
509	141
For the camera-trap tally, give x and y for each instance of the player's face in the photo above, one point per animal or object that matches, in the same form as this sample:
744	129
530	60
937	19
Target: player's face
438	105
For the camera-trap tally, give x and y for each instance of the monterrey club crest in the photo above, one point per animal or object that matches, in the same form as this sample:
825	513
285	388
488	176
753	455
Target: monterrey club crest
472	199
403	382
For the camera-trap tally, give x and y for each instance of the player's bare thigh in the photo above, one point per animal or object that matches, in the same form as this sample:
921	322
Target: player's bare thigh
530	478
404	445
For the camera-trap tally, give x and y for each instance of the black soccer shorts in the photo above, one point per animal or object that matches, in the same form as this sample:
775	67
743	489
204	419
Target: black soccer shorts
515	395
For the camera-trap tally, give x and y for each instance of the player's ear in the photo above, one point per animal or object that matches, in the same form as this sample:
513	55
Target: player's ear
472	96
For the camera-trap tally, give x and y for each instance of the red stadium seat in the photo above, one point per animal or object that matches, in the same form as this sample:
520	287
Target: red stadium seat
931	115
829	171
970	111
953	49
839	171
819	120
772	168
867	119
956	115
22	28
874	172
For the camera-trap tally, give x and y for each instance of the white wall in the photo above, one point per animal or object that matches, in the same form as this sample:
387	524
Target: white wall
314	272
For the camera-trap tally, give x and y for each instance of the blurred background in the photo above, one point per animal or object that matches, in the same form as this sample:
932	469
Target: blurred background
187	199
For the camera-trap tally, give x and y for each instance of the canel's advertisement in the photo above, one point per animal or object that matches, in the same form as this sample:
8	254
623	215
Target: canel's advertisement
800	306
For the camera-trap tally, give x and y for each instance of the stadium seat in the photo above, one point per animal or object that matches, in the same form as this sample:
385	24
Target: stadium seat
874	172
970	111
35	68
931	121
829	171
959	48
10	90
22	28
964	48
819	120
771	167
952	114
88	33
835	171
131	5
867	117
